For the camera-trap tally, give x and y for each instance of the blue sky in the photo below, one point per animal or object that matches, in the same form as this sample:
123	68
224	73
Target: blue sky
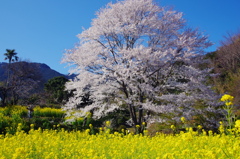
41	30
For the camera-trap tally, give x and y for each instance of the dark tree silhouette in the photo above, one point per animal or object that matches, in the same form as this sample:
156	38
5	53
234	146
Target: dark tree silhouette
11	55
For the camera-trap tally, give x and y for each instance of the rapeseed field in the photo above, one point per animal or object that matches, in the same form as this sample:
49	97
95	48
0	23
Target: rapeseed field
58	143
61	144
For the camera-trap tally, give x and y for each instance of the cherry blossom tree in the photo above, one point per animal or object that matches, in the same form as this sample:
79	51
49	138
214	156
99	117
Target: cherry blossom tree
140	57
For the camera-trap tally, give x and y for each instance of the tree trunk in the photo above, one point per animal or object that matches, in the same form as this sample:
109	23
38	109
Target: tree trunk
133	114
3	96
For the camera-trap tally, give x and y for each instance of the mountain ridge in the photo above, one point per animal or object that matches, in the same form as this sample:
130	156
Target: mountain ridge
45	71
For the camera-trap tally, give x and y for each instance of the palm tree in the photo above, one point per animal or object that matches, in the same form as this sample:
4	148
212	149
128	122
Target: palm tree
11	55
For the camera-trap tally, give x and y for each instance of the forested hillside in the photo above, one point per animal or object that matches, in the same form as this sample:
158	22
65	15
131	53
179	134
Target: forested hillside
225	62
24	83
43	71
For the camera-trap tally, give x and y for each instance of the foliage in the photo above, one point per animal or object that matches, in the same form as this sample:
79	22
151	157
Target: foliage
48	112
140	57
45	118
55	88
229	108
11	55
10	117
76	144
225	62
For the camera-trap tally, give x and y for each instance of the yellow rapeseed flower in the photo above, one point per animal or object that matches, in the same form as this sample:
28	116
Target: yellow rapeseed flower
108	123
199	127
237	124
173	127
227	97
183	119
221	127
137	126
75	144
229	103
